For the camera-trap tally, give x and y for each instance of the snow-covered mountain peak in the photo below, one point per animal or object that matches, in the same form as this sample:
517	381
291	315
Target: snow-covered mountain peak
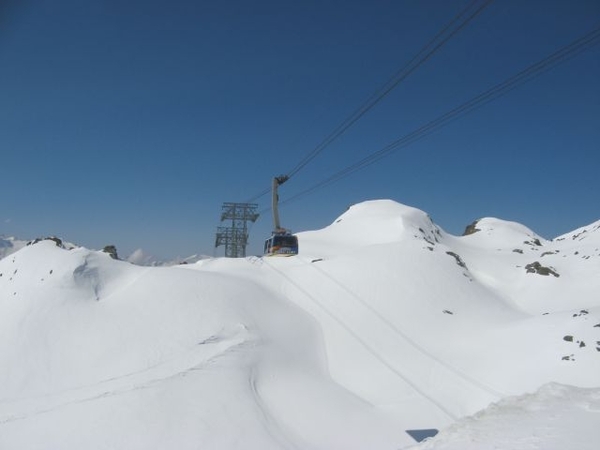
498	233
49	266
370	223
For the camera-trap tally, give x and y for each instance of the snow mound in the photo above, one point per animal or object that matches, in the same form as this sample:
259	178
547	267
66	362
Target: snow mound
497	232
371	223
556	417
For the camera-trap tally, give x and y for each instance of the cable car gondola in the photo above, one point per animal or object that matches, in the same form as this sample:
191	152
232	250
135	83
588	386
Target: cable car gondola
282	242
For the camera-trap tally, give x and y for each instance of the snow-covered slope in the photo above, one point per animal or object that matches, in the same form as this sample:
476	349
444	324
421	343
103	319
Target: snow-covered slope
509	258
384	323
556	417
99	353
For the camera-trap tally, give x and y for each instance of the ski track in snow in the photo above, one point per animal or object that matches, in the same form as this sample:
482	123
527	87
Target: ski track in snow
199	357
395	330
268	421
365	344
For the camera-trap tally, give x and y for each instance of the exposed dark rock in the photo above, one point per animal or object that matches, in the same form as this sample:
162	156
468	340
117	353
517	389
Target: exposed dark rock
445	311
568	338
57	241
518	250
547	253
458	259
111	250
581	344
536	267
471	229
535	241
429	241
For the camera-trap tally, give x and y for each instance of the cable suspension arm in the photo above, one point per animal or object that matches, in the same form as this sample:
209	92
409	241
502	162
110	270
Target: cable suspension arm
426	52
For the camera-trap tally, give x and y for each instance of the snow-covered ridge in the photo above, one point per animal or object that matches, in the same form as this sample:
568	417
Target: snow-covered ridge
494	230
9	245
384	323
589	232
371	223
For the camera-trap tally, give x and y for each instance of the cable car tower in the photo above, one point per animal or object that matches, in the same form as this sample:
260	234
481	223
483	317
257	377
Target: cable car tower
282	242
235	237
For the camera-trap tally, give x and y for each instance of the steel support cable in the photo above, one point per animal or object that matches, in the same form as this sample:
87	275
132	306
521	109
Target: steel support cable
259	195
419	59
565	53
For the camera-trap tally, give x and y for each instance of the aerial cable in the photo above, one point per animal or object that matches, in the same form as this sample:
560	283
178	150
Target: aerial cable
419	59
259	195
450	30
565	53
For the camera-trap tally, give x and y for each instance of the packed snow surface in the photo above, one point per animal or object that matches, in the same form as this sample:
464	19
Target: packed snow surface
383	328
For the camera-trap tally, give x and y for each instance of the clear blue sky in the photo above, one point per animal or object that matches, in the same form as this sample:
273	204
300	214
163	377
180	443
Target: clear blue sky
130	122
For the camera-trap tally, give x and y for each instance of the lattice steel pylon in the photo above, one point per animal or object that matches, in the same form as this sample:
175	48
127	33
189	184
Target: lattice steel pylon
235	236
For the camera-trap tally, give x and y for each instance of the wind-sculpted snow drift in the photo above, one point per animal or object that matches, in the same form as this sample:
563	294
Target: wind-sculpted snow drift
384	323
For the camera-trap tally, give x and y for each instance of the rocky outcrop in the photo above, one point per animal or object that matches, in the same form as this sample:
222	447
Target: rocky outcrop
111	250
471	229
57	241
536	267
